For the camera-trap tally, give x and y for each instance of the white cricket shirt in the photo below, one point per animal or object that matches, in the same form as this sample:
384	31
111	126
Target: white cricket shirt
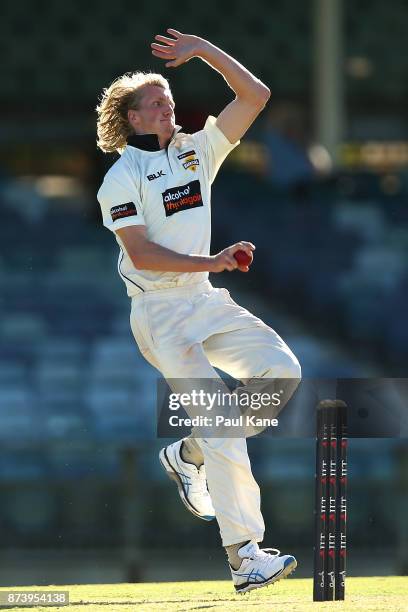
169	191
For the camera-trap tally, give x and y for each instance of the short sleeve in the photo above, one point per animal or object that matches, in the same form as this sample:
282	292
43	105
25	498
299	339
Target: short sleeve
120	206
214	146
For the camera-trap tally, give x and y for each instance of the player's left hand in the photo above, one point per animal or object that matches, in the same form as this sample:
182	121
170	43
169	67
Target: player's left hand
178	50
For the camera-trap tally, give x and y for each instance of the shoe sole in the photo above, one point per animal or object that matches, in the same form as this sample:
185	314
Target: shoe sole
284	573
172	473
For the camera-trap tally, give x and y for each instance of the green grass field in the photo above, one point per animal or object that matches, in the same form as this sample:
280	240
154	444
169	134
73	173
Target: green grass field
382	594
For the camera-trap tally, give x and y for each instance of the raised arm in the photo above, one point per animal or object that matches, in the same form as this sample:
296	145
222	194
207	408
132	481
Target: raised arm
251	94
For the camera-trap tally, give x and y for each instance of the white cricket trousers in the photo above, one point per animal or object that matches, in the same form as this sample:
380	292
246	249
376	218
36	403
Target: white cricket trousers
187	331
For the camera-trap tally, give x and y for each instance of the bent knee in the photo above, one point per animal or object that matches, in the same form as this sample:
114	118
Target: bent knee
296	370
288	367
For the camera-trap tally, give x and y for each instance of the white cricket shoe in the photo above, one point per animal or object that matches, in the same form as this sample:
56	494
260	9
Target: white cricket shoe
260	567
191	481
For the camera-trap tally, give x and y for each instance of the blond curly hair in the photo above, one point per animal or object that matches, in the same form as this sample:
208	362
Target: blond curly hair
124	93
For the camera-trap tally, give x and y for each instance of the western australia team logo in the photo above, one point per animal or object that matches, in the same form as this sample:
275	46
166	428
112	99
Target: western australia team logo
183	197
191	161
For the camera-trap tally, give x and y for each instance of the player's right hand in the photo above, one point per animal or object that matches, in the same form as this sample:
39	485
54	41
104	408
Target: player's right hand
179	49
225	259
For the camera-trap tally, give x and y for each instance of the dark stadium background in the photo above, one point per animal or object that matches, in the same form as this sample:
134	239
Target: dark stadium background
319	184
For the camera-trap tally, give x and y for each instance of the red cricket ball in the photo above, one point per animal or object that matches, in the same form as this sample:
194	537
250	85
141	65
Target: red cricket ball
243	258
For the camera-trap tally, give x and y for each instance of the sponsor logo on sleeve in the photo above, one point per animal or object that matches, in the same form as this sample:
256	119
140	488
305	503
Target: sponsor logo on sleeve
123	210
181	198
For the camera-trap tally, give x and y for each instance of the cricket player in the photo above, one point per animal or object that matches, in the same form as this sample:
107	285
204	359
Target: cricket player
156	198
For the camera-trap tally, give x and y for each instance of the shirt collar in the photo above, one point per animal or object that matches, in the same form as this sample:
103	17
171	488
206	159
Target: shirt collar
148	142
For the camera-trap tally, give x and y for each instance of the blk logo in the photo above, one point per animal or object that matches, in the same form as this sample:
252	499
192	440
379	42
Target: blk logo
156	175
